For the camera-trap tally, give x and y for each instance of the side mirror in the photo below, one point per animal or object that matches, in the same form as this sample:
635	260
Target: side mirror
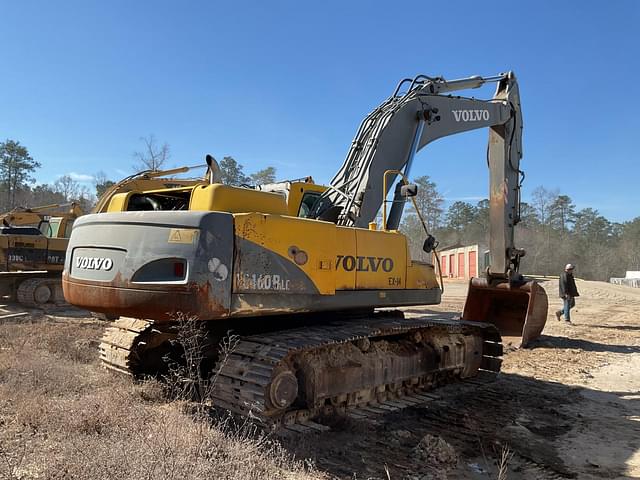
429	244
410	190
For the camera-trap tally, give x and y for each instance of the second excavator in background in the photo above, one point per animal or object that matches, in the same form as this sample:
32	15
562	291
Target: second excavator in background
304	274
33	244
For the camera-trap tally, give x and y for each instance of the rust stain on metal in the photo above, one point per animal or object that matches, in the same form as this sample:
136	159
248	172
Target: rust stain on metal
158	302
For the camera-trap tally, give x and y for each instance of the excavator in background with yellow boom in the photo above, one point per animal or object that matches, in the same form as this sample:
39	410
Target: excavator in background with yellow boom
33	241
53	220
304	275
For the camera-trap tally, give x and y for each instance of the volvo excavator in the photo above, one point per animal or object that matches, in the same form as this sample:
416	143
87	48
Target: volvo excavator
305	276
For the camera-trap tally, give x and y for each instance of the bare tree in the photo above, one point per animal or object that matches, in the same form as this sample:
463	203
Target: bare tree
152	156
102	183
85	198
67	187
542	201
43	194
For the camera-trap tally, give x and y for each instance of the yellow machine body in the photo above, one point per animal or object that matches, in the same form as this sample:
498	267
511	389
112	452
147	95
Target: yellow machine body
34	239
276	263
332	257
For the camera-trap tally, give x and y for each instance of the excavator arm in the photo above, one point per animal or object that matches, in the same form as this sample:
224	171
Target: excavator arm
391	135
21	216
388	139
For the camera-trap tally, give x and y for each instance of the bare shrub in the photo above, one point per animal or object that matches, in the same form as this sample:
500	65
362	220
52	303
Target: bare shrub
152	391
190	379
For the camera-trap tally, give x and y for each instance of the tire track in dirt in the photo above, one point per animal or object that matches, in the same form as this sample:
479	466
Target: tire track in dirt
547	406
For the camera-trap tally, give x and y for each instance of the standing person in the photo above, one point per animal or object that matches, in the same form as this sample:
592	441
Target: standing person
568	292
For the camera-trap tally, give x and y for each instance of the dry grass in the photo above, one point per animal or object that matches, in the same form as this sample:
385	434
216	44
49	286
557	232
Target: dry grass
63	417
503	467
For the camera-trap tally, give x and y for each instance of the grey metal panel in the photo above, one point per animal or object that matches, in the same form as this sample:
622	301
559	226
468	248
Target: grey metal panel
213	264
179	218
245	303
451	111
141	244
136	239
394	142
96	264
505	152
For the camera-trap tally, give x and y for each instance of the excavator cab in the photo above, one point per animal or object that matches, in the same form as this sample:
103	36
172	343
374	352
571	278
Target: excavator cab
517	310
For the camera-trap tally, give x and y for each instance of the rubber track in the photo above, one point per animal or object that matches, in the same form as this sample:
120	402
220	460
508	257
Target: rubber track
242	378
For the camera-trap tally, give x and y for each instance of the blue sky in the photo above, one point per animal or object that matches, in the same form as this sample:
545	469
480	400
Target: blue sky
286	83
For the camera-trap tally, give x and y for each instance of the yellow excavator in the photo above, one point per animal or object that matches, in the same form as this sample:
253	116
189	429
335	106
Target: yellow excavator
306	276
33	241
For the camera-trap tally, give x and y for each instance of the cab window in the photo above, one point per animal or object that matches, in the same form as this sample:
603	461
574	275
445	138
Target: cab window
54	227
308	199
46	228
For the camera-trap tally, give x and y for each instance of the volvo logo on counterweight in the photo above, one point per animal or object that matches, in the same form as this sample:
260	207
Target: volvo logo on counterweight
94	263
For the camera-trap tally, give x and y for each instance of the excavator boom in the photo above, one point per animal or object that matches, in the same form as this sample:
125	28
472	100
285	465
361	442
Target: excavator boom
388	140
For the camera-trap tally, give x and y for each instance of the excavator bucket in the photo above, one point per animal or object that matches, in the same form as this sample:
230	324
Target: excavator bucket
517	311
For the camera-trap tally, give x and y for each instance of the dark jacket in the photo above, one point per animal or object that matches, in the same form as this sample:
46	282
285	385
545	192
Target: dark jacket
568	285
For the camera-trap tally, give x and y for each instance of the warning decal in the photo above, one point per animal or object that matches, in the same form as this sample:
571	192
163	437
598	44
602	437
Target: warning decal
183	235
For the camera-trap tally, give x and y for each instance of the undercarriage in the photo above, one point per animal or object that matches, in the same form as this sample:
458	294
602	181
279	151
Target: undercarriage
297	376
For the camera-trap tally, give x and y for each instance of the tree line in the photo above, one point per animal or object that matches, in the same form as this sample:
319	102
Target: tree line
19	189
552	231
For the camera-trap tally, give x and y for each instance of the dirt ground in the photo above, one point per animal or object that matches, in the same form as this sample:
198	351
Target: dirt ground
569	407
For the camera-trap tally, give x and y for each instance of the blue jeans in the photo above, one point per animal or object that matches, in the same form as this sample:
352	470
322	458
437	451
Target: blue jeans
569	303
